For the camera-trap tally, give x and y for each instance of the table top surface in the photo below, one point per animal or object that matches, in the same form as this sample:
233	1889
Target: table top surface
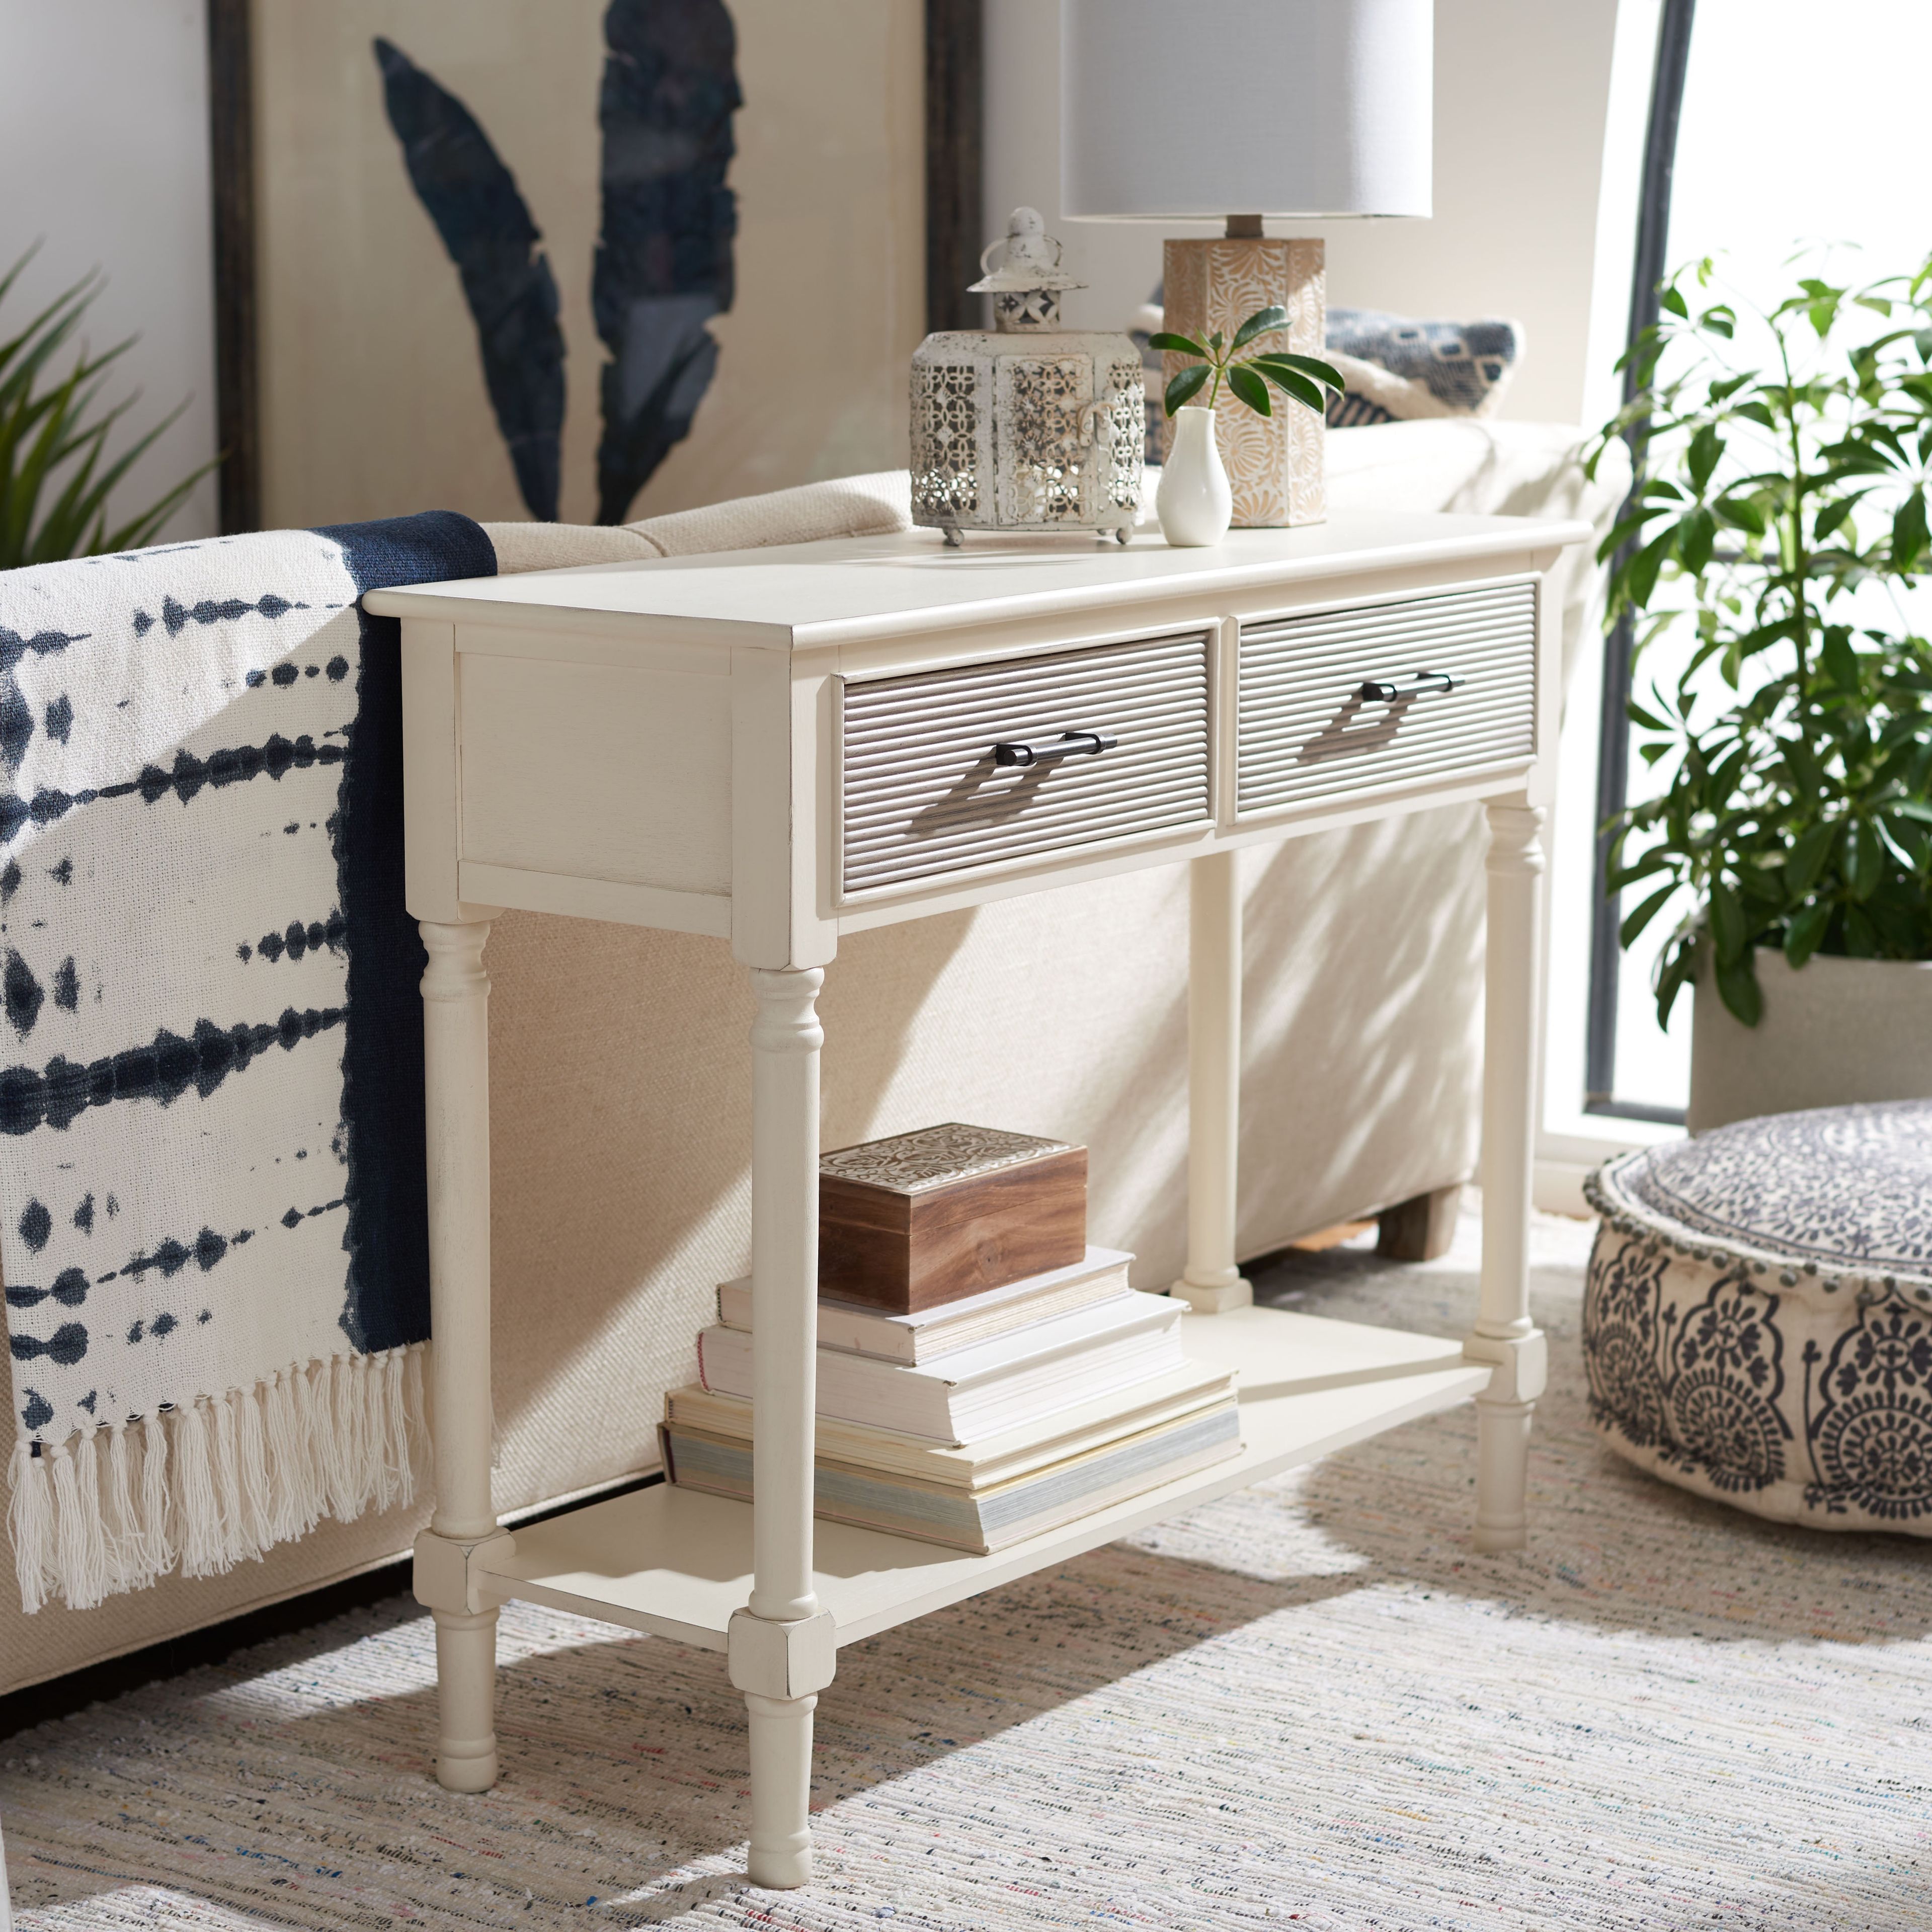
860	588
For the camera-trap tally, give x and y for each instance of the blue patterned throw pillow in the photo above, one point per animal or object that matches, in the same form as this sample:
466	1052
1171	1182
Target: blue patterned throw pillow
1397	366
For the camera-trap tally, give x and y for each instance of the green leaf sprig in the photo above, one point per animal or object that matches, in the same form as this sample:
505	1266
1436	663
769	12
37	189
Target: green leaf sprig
1799	816
1301	377
55	476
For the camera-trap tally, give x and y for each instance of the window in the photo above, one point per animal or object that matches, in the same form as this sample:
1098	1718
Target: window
1771	129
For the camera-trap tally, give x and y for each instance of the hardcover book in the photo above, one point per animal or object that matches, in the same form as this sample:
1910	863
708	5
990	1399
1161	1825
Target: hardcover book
978	1391
926	1332
983	1519
1089	1424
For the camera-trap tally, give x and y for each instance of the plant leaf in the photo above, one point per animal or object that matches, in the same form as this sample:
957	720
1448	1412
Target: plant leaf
1635	923
1291	384
1727	923
1909	532
1185	387
1675	971
1833	515
1177	345
1655	860
1701	461
1251	389
1802	935
1261	323
1809	851
1311	366
1696	539
1838	660
1640	584
1738	988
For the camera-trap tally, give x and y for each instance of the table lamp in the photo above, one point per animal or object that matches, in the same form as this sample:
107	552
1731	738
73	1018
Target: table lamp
1242	111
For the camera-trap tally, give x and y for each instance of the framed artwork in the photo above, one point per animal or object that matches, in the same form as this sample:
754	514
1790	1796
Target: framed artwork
592	260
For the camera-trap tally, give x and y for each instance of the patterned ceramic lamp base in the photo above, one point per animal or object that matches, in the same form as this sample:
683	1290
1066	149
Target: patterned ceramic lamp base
1274	462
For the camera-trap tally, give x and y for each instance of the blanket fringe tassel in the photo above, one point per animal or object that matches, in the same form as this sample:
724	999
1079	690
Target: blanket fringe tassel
215	1481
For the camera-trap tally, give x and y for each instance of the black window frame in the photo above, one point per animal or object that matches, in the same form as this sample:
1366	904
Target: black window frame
1613	746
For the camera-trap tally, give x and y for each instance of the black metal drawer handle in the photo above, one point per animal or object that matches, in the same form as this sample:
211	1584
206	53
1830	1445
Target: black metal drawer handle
1374	690
1046	751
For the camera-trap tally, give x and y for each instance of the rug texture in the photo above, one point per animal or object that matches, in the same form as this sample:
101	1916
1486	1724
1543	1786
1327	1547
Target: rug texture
212	1210
1308	1703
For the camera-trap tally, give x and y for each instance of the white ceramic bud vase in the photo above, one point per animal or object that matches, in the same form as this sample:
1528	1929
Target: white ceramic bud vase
1195	505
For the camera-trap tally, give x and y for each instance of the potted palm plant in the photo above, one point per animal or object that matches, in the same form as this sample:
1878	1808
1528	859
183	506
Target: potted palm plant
55	473
1776	535
1195	504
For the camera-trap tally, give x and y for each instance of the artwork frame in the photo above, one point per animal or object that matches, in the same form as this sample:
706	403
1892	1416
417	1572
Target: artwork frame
231	144
952	70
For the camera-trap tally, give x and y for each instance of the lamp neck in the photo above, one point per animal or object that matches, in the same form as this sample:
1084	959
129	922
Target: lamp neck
1244	228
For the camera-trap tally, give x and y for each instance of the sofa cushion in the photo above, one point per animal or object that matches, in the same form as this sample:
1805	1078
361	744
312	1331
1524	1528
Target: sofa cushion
843	506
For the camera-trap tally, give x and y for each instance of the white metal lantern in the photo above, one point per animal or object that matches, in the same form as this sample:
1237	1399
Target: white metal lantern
1030	427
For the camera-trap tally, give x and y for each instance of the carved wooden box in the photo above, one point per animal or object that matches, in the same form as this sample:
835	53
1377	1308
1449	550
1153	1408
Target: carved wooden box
921	1218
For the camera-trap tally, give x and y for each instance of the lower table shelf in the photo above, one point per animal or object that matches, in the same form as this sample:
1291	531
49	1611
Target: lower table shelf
676	1563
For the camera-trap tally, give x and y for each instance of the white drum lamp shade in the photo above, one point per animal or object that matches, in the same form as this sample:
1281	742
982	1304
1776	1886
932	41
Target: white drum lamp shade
1232	111
1190	110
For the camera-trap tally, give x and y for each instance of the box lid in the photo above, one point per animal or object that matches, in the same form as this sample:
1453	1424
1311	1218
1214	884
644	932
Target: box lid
936	1157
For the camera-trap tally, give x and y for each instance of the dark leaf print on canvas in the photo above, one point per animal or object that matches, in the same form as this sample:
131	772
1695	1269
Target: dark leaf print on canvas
664	261
472	198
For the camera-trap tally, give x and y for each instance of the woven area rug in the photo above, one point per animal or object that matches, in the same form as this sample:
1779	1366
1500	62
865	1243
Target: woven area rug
1310	1702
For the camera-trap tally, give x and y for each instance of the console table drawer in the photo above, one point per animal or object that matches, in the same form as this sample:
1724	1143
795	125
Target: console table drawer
1305	730
924	794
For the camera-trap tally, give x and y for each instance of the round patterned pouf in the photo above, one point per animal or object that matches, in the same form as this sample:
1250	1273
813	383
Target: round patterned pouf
1758	1321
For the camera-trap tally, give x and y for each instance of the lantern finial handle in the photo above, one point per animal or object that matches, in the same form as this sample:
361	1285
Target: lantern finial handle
1031	260
1026	242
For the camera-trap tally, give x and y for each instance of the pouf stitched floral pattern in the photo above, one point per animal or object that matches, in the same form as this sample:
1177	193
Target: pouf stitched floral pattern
1757	1325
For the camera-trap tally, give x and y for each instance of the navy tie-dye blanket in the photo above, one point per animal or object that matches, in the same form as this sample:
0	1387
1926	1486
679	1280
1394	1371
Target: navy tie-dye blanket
211	1196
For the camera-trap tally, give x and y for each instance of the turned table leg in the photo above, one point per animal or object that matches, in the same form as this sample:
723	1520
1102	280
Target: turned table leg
780	1646
456	1071
1211	1281
1503	1334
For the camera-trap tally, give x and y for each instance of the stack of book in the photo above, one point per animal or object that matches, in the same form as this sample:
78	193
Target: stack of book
959	1410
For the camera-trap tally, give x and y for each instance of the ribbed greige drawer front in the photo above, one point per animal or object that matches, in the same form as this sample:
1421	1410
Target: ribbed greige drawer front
1305	730
924	796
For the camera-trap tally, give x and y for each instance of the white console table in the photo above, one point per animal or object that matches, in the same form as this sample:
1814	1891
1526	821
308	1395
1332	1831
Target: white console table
779	746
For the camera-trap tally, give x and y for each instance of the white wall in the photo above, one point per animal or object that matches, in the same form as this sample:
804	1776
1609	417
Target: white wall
1521	87
104	151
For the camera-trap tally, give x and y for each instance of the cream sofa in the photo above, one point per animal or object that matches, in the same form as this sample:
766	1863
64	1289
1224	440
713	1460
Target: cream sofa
620	1092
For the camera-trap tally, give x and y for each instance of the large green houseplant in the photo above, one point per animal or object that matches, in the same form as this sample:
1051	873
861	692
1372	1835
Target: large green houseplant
1781	513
